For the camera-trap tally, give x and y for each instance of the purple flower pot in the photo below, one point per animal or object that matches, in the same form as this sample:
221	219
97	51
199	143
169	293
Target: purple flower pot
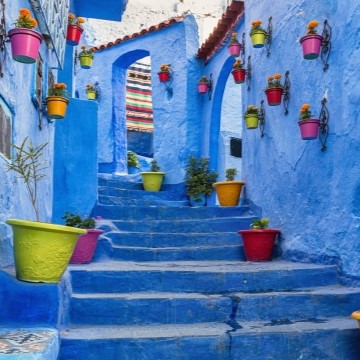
85	247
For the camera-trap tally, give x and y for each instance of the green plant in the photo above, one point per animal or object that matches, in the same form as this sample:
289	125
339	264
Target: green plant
256	27
132	159
58	89
237	64
165	67
305	112
28	164
77	221
311	27
203	80
274	81
199	178
88	52
72	20
251	109
230	174
234	39
260	223
154	167
25	20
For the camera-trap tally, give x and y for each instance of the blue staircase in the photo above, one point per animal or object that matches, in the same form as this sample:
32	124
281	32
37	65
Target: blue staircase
170	282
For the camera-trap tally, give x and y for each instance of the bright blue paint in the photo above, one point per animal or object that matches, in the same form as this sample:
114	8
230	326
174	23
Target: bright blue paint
109	10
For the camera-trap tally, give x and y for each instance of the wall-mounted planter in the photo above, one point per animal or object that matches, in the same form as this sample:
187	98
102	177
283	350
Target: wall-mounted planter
86	61
274	95
91	95
309	128
251	121
85	247
203	88
234	49
258	39
25	44
56	106
164	76
73	34
239	75
311	46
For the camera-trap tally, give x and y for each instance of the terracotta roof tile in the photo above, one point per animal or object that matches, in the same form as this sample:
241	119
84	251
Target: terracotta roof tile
221	34
142	32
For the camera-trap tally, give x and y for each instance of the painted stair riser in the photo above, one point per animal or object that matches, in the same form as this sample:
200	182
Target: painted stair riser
332	344
198	308
185	226
142	213
173	254
158	240
112	200
197	281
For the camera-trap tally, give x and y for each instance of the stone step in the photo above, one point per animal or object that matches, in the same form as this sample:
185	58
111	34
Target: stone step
129	212
132	253
183	225
113	200
185	308
199	276
315	339
158	240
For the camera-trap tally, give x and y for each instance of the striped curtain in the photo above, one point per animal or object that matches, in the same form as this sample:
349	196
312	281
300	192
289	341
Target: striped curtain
139	112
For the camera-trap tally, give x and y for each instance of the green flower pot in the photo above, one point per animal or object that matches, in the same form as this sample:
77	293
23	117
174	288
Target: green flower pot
42	251
152	180
86	61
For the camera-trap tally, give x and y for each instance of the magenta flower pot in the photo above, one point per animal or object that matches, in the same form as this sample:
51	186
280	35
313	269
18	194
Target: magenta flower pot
234	49
309	128
203	88
311	45
25	44
85	247
274	96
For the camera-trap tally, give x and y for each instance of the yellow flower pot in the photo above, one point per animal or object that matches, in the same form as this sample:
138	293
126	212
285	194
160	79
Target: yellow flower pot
91	95
152	180
251	121
56	106
356	315
228	192
86	61
258	39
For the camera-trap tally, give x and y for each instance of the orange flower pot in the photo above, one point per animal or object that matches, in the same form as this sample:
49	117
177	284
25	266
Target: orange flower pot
228	192
56	106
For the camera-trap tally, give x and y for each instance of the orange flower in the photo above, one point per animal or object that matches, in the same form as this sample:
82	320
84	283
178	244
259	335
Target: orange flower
71	16
24	12
270	78
80	20
33	22
83	47
277	76
313	24
234	34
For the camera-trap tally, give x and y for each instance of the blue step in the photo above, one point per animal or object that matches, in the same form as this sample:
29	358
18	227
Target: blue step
179	308
326	339
198	276
113	200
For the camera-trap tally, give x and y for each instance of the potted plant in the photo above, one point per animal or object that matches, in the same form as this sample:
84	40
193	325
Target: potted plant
259	241
257	34
309	127
203	85
74	30
91	92
228	192
238	72
356	315
311	42
57	101
251	117
133	162
199	180
41	250
152	179
25	42
234	45
164	73
86	244
274	90
86	57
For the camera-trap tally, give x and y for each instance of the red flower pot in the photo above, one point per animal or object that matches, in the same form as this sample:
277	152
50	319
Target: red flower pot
258	243
234	49
73	34
309	128
164	76
311	45
239	75
274	96
203	88
85	247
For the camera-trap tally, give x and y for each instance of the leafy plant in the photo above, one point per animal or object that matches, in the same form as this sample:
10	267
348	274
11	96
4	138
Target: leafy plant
230	174
132	159
28	164
165	67
311	27
251	109
72	20
256	27
25	20
199	178
237	64
260	223
234	39
58	89
203	80
274	81
154	167
77	221
88	52
305	112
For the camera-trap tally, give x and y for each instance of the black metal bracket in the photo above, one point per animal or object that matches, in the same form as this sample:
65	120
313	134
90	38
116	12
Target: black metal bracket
3	36
325	45
268	38
286	93
97	89
210	86
248	73
262	118
242	54
324	127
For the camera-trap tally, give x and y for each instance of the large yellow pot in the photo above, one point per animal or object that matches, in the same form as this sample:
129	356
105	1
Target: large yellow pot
228	192
56	106
42	251
152	180
258	39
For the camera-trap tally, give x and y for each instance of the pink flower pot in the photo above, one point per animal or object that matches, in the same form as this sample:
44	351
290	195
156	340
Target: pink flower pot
73	34
25	44
309	128
234	49
203	88
274	96
164	76
85	247
311	45
238	75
